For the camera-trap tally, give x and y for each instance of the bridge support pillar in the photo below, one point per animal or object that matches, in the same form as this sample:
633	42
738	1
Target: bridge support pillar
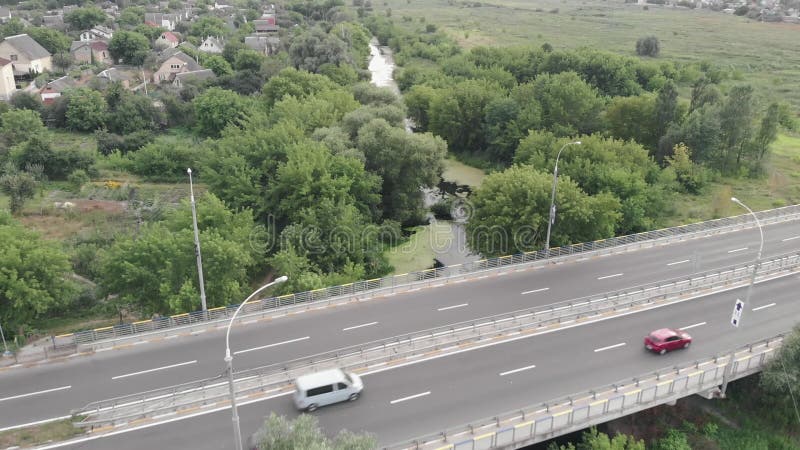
712	393
672	402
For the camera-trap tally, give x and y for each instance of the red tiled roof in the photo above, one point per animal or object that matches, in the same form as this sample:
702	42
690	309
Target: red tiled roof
170	36
99	46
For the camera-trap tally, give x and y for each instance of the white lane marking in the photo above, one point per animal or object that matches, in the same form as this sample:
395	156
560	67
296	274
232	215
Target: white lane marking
360	326
764	307
737	250
692	326
35	393
509	372
610	276
410	397
791	238
536	290
453	307
679	262
609	347
39	422
271	345
171	366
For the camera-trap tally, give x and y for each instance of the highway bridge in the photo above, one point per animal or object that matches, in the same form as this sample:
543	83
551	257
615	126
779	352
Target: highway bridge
436	394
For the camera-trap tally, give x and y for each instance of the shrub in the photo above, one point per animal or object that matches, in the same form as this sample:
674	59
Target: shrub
77	179
648	46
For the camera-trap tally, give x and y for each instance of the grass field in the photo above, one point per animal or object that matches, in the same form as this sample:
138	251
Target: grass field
764	54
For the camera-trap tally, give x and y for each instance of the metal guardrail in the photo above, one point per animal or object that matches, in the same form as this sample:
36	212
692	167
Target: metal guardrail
407	347
409	280
542	421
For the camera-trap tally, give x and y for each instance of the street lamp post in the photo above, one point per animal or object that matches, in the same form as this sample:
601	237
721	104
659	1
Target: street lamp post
6	352
553	197
197	244
237	433
729	366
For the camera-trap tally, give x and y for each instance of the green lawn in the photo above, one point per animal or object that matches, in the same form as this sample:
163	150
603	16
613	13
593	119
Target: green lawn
764	54
417	253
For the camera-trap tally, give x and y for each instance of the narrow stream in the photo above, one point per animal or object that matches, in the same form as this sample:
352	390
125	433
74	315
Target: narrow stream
451	249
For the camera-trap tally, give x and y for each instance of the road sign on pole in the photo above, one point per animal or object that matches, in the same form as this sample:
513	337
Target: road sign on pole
736	317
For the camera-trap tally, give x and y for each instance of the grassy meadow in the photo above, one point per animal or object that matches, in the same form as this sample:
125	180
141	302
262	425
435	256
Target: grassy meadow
764	54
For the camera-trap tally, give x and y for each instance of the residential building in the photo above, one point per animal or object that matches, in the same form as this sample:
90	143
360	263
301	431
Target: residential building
25	54
7	84
99	32
5	14
90	52
266	24
267	45
175	63
167	39
55	88
113	75
202	74
212	45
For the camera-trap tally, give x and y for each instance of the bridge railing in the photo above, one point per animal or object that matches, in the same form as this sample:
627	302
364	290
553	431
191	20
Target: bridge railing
438	340
541	421
412	280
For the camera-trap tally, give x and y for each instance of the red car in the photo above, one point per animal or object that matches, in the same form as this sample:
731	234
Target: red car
667	339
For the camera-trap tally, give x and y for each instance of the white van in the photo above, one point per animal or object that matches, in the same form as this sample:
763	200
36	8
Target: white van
326	387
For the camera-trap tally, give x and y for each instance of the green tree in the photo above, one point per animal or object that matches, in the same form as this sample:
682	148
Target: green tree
736	118
569	105
690	175
218	65
767	131
86	109
207	26
457	114
215	109
129	47
248	59
52	40
510	213
84	18
18	186
34	276
418	102
297	83
311	49
595	440
131	113
666	110
131	16
673	440
19	125
278	433
156	272
782	374
405	162
634	118
26	100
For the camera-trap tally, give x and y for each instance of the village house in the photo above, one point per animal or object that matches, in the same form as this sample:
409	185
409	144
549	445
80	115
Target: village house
52	90
168	21
97	33
202	74
115	75
7	84
90	52
212	45
25	54
55	22
267	45
174	63
266	24
5	14
167	39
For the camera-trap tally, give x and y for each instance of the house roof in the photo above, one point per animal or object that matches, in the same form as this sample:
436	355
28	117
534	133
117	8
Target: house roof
78	44
114	74
4	62
99	45
202	74
5	12
26	45
213	41
190	64
59	84
170	36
